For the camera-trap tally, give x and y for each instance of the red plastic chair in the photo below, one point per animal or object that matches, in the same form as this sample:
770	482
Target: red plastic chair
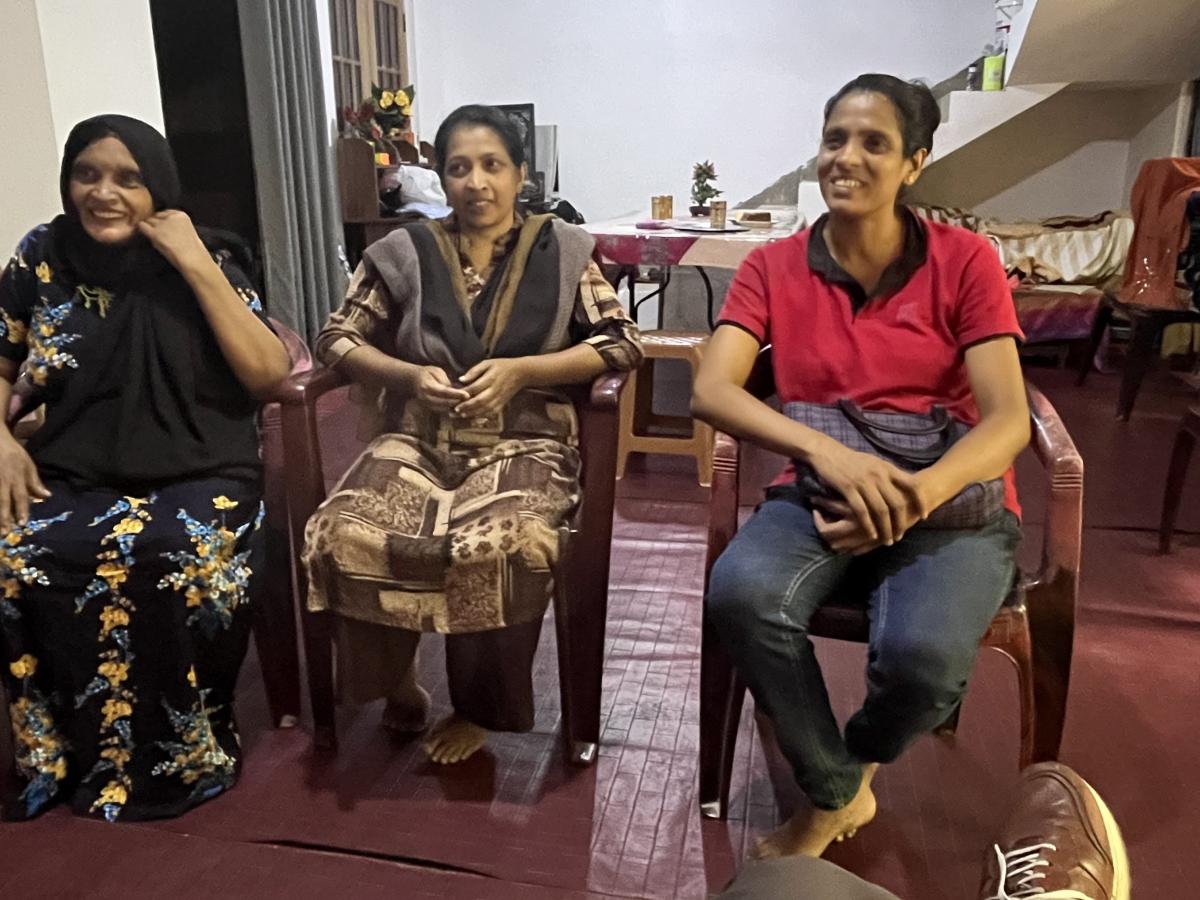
581	577
1034	629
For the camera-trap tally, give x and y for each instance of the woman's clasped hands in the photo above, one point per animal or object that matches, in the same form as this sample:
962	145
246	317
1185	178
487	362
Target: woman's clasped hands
485	388
876	503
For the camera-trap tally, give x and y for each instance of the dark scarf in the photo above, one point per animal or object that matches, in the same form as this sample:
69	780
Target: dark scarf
153	400
527	279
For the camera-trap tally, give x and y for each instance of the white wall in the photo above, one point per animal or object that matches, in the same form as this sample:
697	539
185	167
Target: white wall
28	147
62	61
1088	181
1158	137
642	90
99	59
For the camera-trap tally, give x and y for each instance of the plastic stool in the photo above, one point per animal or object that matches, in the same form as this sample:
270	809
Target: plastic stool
686	436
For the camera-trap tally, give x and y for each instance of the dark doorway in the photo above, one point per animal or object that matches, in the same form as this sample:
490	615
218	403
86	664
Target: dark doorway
203	84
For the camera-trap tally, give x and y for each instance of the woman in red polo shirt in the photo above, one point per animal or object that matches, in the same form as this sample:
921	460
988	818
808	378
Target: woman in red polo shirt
876	306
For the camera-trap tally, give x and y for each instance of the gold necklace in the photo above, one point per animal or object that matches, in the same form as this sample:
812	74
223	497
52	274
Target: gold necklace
98	295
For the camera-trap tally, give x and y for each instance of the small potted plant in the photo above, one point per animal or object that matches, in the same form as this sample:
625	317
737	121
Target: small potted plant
703	174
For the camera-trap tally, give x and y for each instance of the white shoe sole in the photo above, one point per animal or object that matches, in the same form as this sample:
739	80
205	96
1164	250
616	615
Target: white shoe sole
1116	844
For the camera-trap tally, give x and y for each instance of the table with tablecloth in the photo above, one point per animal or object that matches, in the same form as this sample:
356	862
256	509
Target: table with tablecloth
620	242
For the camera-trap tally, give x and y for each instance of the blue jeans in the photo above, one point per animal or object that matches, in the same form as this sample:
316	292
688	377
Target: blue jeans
932	596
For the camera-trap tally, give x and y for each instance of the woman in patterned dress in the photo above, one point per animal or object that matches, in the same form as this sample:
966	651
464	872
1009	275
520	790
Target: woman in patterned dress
127	519
464	329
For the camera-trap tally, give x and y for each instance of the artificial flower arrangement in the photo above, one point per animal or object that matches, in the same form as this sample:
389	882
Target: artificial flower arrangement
382	118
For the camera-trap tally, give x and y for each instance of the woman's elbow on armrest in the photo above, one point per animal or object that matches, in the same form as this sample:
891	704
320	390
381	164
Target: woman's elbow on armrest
272	372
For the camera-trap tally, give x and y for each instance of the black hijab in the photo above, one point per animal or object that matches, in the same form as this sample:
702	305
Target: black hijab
101	265
153	400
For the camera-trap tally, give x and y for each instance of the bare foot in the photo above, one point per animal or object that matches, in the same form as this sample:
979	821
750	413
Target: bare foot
809	833
408	714
454	740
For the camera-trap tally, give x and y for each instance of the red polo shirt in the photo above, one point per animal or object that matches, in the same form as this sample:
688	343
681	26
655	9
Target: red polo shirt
899	350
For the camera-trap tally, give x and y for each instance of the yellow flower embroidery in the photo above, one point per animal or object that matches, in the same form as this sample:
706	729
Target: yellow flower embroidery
14	538
115	709
23	667
112	617
113	792
129	526
224	502
195	596
136	502
114	672
406	111
59	768
191	676
14	329
114	573
401	98
387	99
43	273
117	755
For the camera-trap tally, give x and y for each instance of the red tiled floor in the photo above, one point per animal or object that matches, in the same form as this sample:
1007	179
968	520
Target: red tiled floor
517	822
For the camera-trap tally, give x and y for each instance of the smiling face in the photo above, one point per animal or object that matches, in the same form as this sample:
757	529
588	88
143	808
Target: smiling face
107	191
481	180
861	165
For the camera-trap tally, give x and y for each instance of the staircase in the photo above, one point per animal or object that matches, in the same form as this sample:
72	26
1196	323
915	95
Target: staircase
1105	41
969	115
1054	44
1103	65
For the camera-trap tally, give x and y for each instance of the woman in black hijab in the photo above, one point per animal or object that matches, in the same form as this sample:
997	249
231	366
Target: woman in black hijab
127	521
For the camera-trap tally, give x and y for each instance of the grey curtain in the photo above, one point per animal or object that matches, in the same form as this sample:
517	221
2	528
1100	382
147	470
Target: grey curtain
300	217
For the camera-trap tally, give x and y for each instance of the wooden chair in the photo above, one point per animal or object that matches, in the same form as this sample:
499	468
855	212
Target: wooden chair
580	579
1034	628
1181	455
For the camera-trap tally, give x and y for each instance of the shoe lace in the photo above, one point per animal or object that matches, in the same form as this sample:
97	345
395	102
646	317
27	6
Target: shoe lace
1021	870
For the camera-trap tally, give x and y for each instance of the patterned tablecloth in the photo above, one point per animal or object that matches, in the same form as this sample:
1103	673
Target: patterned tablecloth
621	241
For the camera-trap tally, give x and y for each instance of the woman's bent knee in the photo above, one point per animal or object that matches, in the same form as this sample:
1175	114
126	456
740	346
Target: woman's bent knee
922	674
735	589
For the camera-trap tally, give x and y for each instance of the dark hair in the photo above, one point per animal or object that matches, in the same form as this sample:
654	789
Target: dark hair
916	108
486	116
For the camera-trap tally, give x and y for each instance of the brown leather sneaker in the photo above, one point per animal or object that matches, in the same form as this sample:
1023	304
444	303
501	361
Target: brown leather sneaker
1060	842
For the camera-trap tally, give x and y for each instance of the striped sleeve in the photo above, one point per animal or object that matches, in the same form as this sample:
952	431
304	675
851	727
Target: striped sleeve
362	320
601	321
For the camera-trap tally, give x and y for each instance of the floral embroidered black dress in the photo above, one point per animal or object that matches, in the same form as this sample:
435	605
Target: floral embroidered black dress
123	598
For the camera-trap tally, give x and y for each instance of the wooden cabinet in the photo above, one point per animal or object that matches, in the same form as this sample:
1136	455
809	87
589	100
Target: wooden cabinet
358	184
